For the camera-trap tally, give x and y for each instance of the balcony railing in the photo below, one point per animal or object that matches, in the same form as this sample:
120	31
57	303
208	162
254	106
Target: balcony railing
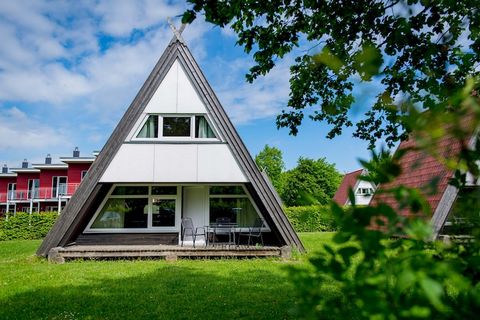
63	190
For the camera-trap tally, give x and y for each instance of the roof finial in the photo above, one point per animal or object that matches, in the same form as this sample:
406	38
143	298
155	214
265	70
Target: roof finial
177	32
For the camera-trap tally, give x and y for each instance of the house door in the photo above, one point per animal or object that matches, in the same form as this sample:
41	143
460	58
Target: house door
195	206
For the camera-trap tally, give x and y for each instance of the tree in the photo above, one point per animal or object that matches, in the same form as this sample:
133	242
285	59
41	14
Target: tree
422	51
310	182
270	159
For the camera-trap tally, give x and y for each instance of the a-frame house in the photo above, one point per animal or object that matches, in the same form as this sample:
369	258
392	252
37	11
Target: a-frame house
174	154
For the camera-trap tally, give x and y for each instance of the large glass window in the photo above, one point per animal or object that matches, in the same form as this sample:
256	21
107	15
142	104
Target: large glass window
138	207
227	190
130	190
164	190
163	212
120	213
150	128
176	126
232	203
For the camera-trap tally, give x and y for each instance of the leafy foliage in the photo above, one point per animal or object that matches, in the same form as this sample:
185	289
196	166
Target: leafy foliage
421	51
384	264
310	182
270	159
426	54
24	226
311	218
384	278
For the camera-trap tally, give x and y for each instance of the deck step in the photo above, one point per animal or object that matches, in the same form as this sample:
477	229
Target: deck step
168	252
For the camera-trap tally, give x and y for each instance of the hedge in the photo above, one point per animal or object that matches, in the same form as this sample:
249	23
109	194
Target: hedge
24	226
311	218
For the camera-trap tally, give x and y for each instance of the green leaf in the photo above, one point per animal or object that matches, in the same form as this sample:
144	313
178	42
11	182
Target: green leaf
368	61
433	291
347	252
328	59
406	279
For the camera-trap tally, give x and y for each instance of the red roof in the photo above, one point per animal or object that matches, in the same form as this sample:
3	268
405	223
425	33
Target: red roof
419	169
348	182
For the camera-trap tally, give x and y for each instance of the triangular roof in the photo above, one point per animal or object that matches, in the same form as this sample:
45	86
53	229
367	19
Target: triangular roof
419	169
75	211
349	181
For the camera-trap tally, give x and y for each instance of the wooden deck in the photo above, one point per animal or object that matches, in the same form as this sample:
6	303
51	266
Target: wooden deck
167	252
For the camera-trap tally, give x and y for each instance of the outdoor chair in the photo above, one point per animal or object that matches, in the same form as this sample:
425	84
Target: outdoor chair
188	229
254	232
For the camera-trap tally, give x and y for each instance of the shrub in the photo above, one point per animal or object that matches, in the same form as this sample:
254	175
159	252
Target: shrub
311	218
24	226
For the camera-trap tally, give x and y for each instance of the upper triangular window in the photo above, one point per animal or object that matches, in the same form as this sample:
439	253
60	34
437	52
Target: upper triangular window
150	128
202	128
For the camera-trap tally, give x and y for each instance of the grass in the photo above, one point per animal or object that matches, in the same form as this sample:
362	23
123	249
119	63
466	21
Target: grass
31	288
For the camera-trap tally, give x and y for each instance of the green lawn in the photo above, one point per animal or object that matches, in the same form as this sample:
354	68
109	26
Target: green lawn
31	288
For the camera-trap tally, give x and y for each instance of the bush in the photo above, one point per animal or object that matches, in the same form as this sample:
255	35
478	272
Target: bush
24	226
311	218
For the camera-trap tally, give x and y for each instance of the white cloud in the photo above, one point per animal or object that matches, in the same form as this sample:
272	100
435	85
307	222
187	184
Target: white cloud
264	98
120	17
20	131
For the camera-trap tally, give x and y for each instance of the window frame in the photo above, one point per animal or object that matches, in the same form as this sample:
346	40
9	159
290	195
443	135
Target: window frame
235	196
55	186
11	190
150	228
33	188
190	138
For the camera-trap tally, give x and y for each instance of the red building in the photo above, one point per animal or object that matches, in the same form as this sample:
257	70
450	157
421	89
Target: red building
42	187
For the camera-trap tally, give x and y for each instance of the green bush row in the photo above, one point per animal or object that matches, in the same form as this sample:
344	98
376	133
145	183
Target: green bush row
311	218
24	226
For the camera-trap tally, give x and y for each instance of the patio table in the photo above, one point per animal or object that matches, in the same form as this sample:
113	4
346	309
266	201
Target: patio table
222	229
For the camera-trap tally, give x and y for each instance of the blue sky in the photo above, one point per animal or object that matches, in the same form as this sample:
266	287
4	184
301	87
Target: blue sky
69	70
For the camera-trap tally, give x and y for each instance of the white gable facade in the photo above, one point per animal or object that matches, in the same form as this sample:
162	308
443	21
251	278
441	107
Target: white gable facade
164	159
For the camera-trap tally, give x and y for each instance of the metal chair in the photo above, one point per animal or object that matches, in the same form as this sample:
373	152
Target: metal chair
254	232
188	229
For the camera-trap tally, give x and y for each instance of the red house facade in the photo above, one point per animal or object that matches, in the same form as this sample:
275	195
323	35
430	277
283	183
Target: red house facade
42	187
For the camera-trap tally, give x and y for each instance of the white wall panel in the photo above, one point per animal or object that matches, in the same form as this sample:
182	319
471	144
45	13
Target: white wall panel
188	100
175	94
164	100
175	163
217	164
132	163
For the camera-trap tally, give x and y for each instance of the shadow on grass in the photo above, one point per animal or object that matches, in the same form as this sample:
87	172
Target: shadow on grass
168	292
